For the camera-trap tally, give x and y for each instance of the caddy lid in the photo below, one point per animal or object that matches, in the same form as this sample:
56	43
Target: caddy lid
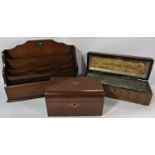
75	86
121	65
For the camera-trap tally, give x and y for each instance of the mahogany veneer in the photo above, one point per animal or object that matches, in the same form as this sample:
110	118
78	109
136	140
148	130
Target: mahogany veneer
74	96
28	67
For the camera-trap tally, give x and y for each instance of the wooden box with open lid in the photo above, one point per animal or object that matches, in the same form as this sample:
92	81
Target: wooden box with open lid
123	77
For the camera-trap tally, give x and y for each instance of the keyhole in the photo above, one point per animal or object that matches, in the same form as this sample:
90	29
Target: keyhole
74	105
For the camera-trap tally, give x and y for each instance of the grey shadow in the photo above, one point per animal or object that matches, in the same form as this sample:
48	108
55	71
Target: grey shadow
81	61
109	104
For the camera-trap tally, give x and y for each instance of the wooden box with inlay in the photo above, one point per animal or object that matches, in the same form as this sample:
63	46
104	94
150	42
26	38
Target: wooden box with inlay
123	77
74	96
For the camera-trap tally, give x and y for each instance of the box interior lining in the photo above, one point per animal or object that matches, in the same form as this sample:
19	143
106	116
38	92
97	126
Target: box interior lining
121	66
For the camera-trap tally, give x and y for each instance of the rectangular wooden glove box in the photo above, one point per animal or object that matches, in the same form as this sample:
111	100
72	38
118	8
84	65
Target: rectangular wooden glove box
123	77
74	96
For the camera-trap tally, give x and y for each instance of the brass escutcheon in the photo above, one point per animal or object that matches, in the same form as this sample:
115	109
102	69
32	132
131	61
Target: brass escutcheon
74	105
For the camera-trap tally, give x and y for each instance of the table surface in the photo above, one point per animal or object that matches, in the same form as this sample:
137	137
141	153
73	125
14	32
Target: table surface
36	108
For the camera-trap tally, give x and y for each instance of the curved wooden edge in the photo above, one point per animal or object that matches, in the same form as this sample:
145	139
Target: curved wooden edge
39	40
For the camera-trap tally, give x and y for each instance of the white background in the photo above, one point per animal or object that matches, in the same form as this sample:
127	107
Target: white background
91	18
112	108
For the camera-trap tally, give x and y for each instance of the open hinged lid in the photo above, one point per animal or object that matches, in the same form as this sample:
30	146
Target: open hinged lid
74	87
121	65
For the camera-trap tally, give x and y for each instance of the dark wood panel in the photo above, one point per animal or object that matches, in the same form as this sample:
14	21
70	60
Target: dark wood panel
74	107
26	91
